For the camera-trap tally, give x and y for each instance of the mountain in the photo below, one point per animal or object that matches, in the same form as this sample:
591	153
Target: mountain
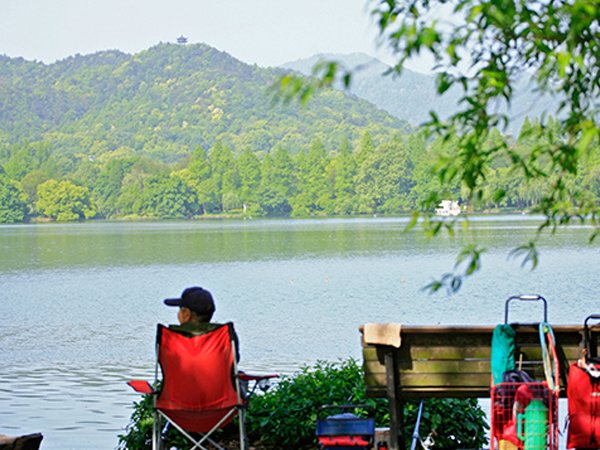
411	95
165	101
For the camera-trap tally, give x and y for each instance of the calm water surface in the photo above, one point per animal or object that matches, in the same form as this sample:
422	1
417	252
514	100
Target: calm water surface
81	301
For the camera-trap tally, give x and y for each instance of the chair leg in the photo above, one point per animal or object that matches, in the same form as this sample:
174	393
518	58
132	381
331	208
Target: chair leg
242	421
157	443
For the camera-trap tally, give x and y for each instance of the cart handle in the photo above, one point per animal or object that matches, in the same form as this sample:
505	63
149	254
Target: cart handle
586	341
526	298
593	317
346	406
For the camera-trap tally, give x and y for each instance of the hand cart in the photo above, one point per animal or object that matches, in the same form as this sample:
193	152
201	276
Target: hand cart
524	411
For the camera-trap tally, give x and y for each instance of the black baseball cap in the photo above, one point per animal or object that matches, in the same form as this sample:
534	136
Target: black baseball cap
195	298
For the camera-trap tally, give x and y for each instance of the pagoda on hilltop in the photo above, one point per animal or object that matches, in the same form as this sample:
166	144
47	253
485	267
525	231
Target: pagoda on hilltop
182	39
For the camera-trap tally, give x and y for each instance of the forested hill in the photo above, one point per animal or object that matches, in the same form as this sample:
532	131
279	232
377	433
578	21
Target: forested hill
165	101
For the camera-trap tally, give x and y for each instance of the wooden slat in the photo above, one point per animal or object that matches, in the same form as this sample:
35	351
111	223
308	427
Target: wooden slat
447	380
450	329
440	392
448	351
413	353
535	353
434	366
530	353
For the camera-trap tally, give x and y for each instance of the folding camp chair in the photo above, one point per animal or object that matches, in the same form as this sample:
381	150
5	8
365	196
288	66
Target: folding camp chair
201	386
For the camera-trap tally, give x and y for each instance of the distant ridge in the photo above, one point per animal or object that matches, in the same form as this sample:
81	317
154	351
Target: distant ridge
412	95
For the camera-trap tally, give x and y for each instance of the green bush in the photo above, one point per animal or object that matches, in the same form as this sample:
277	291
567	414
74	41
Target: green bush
286	416
458	423
139	430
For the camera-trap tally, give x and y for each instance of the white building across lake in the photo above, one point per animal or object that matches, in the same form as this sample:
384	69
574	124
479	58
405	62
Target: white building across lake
448	208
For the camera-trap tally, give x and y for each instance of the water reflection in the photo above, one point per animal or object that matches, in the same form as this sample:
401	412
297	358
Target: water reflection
108	244
65	403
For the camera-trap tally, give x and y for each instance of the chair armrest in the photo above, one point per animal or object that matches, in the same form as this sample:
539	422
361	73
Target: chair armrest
248	377
141	386
260	381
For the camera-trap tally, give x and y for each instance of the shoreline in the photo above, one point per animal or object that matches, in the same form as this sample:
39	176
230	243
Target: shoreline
241	216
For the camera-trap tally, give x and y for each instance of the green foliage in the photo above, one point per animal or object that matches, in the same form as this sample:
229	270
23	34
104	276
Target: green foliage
287	415
13	201
139	431
385	178
26	158
394	177
248	167
162	103
277	183
168	197
108	185
458	423
30	183
64	201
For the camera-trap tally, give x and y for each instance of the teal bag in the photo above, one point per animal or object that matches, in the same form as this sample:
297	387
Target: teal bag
503	351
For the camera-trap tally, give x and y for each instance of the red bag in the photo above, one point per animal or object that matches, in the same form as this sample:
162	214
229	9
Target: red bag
583	393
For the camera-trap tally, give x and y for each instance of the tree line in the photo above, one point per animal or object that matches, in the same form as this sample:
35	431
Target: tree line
396	176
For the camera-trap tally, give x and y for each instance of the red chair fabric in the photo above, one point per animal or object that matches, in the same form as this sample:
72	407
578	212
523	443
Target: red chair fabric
198	388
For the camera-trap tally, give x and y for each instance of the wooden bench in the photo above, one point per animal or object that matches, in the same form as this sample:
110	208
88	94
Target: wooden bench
454	362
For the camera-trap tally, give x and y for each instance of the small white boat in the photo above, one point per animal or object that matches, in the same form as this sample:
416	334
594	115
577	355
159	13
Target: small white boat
448	208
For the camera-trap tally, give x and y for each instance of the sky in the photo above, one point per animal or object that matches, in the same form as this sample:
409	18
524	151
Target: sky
262	32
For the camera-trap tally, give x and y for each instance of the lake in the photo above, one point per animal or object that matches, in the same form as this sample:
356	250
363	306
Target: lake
81	301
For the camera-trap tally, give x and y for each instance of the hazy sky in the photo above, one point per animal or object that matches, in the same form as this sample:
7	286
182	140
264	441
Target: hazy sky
265	32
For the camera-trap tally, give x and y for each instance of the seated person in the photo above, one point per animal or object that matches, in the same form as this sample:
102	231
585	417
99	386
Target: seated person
196	308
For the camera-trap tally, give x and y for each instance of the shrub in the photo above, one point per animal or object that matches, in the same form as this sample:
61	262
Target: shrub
287	415
458	423
139	430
